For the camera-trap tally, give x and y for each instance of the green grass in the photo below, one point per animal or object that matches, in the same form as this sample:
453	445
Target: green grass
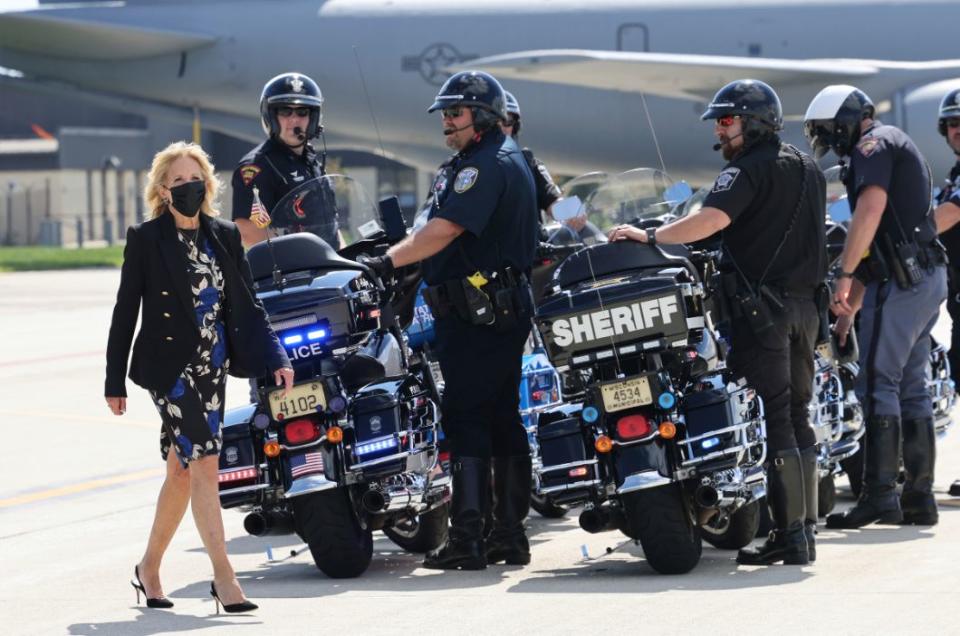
22	259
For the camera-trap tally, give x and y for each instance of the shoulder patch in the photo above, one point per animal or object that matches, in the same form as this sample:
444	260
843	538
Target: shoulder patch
465	179
725	179
868	146
249	172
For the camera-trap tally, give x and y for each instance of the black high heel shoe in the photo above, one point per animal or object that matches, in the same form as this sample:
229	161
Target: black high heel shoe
156	603
233	608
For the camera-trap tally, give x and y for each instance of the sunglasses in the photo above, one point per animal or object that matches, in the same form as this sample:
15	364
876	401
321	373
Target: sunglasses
726	120
452	112
288	111
953	123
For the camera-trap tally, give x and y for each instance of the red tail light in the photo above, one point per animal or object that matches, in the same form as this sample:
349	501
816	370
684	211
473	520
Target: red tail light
301	431
633	426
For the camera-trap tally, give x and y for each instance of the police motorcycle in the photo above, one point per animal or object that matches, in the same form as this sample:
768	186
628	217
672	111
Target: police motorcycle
661	442
352	448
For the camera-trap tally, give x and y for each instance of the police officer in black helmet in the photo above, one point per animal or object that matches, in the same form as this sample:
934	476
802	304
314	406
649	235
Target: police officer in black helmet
947	215
291	112
477	249
769	202
893	266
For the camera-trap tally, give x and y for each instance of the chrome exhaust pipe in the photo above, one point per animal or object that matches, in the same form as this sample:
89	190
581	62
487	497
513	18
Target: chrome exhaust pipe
261	524
373	500
706	496
598	519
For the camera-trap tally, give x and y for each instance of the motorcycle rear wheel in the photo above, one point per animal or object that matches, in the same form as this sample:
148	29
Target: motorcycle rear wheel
853	466
422	533
547	508
326	520
826	495
659	519
737	531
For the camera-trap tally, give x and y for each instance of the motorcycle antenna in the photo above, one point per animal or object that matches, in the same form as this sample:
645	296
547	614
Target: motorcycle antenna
261	218
613	343
366	94
653	132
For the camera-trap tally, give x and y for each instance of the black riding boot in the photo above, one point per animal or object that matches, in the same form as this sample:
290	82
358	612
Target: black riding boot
787	541
955	489
511	496
464	548
811	492
919	458
881	465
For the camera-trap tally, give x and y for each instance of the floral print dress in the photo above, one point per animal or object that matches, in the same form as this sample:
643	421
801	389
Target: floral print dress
192	411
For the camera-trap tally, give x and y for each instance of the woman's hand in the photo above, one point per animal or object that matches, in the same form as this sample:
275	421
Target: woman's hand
627	233
117	404
284	376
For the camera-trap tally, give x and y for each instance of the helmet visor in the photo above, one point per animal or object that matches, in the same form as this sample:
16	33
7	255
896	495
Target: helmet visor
820	135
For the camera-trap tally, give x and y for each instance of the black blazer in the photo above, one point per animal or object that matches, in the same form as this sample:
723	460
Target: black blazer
155	271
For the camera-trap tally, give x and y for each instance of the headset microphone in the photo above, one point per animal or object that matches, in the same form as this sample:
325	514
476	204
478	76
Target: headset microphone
720	145
454	130
298	131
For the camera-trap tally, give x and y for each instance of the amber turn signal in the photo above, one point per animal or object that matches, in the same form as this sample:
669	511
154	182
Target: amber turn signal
334	434
603	444
668	430
271	449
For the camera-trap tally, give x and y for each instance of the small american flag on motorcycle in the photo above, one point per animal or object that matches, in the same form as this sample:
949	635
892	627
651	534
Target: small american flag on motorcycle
306	463
258	213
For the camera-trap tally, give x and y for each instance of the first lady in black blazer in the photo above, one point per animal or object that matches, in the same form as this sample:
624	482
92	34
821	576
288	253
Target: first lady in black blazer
200	321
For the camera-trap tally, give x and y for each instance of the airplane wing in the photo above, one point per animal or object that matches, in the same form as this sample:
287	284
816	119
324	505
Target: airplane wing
692	77
50	35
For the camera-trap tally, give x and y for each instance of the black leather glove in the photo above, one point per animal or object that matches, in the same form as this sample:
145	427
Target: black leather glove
381	265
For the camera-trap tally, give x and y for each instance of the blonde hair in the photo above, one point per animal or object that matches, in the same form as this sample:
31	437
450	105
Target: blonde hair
158	172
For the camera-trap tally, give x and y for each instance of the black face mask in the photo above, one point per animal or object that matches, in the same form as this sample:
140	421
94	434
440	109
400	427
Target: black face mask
188	197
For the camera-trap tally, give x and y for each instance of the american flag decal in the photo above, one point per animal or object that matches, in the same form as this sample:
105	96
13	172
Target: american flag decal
305	464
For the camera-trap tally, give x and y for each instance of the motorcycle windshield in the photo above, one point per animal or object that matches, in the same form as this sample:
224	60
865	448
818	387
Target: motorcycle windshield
334	207
630	198
579	190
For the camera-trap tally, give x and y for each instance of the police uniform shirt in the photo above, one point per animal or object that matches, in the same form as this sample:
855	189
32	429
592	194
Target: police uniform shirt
274	169
951	238
886	157
759	190
488	190
547	191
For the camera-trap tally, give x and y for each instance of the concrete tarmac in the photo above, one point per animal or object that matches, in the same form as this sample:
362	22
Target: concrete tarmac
79	485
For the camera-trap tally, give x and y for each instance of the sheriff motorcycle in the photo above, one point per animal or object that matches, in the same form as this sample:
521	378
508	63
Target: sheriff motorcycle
661	441
352	448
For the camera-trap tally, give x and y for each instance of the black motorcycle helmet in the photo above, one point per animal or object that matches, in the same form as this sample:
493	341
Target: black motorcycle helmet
949	109
754	102
832	121
478	90
291	89
513	111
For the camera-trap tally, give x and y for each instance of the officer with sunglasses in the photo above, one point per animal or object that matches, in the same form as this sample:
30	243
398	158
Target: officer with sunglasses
291	112
769	202
476	251
948	213
893	267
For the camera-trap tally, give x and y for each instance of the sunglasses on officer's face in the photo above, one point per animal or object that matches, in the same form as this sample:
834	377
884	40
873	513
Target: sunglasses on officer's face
726	120
452	112
953	123
288	111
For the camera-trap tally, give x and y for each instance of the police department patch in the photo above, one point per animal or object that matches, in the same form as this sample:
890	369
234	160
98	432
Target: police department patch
248	173
725	179
465	179
868	146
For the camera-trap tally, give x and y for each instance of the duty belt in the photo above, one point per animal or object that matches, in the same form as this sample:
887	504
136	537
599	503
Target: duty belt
499	300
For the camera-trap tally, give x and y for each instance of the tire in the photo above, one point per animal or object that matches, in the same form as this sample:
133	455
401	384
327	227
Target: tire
738	530
422	533
327	522
546	508
853	466
826	495
658	518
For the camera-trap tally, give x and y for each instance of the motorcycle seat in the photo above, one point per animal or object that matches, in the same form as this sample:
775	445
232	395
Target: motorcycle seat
296	252
361	369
